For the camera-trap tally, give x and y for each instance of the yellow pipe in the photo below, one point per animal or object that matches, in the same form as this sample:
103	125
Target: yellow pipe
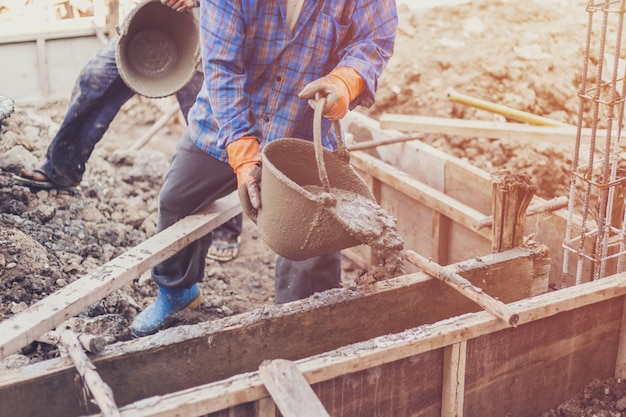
508	112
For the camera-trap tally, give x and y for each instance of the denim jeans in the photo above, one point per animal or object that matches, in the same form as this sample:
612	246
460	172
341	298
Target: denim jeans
98	95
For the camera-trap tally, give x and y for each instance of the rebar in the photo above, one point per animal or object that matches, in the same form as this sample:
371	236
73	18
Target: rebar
595	240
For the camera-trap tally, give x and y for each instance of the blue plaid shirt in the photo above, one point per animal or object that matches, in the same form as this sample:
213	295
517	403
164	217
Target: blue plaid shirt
255	66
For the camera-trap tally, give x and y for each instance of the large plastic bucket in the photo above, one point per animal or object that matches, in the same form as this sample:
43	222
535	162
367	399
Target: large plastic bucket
295	222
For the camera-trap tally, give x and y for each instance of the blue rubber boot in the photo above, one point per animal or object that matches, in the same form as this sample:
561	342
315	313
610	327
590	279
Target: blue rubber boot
168	302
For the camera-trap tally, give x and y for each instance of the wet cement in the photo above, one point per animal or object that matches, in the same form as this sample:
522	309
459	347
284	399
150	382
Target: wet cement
371	225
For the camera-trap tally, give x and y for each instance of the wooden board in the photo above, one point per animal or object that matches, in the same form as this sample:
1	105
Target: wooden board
479	128
209	352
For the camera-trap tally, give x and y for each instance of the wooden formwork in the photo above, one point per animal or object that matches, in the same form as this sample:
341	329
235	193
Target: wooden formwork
186	357
440	201
410	345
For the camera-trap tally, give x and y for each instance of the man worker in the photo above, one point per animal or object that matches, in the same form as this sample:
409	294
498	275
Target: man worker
98	95
263	61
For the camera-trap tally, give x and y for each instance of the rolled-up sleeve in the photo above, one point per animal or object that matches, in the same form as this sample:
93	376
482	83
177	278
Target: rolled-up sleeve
223	35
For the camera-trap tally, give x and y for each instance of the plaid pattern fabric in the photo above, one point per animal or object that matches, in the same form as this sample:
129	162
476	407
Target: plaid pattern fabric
255	66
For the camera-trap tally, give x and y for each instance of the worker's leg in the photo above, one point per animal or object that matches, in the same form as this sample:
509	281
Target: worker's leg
227	235
98	95
299	279
194	180
186	96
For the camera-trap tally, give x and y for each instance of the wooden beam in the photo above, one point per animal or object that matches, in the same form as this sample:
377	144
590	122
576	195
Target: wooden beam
158	125
26	326
454	360
420	192
542	207
463	286
291	392
479	128
100	391
506	111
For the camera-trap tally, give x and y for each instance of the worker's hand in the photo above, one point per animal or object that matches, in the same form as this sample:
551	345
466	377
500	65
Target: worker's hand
339	88
244	155
179	5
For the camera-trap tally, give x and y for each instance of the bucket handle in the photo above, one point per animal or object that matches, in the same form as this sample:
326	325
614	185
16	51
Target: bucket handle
317	143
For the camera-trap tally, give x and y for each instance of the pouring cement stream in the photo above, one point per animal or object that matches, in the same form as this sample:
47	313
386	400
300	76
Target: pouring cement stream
371	225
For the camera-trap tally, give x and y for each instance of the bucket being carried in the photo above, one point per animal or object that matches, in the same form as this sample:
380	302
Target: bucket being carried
302	184
158	49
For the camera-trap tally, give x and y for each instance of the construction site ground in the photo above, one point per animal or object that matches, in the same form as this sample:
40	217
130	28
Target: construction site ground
525	55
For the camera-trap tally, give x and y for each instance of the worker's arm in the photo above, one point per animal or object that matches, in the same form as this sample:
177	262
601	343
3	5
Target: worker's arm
244	155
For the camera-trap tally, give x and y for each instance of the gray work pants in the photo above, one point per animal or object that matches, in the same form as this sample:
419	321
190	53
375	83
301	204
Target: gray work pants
194	180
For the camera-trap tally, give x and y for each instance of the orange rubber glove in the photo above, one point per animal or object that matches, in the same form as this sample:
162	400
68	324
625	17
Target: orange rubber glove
244	155
340	87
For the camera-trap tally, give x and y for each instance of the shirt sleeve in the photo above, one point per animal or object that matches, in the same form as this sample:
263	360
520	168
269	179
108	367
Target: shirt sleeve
374	26
222	36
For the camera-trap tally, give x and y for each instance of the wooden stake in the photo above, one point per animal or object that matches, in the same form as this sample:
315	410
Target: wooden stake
100	391
158	125
291	392
465	287
359	146
551	205
512	193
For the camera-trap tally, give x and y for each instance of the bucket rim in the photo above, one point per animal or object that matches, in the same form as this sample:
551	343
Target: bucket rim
279	174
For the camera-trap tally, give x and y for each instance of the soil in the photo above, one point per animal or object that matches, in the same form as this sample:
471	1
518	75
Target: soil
525	55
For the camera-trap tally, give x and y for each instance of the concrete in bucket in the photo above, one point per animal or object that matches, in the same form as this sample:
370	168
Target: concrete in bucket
293	221
158	49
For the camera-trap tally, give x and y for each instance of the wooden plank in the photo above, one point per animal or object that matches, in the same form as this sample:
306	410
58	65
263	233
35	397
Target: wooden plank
620	363
518	360
58	29
463	286
478	128
414	189
506	111
290	390
438	252
24	327
455	358
100	391
215	350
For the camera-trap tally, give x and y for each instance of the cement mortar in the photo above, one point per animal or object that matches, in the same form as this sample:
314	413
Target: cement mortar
371	225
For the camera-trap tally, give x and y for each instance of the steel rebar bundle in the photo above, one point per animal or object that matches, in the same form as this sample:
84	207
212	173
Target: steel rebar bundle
595	240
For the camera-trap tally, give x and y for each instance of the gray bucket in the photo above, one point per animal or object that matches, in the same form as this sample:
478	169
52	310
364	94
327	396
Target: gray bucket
158	49
295	222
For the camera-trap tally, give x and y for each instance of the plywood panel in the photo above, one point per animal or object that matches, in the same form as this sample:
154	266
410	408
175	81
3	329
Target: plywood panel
527	370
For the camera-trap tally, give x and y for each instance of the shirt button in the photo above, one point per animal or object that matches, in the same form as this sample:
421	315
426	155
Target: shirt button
279	78
267	119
